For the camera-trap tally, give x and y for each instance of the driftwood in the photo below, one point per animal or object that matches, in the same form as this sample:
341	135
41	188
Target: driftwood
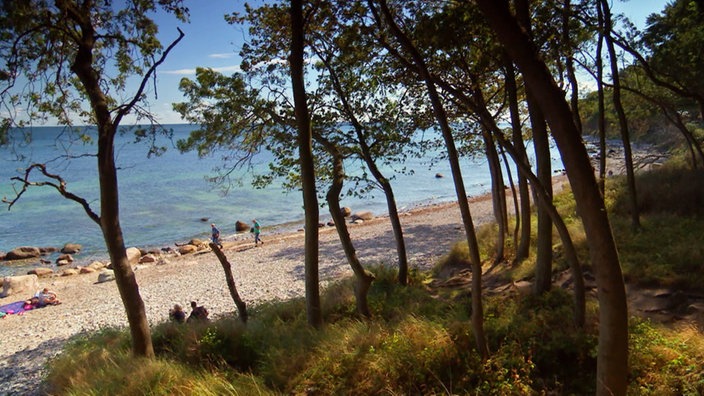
241	306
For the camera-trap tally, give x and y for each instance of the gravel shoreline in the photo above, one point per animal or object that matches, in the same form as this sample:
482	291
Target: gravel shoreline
271	271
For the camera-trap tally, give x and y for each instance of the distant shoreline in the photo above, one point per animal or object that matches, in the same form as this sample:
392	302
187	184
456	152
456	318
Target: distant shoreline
20	267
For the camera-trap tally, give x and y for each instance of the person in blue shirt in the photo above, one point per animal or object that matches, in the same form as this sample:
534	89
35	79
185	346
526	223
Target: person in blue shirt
215	235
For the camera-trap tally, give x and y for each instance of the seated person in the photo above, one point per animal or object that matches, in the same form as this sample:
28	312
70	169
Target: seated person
46	297
176	314
198	313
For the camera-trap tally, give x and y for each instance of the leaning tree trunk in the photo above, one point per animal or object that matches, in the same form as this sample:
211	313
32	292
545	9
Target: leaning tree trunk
230	280
363	278
612	354
441	117
623	122
523	219
378	176
477	105
390	204
545	201
305	150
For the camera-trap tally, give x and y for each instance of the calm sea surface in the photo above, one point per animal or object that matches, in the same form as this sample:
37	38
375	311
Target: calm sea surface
164	199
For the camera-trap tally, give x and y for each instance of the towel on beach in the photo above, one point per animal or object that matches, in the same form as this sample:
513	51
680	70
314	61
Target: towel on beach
16	307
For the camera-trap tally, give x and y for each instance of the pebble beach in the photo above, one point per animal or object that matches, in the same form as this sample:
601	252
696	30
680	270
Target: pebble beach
272	271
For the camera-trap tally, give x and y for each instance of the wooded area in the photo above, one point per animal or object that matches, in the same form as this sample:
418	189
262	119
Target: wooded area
362	81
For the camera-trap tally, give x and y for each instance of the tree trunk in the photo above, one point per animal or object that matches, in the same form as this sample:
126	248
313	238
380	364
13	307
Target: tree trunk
612	354
230	280
569	65
112	233
378	176
363	278
305	150
522	219
602	106
498	195
545	201
391	206
543	261
541	142
109	198
438	109
623	123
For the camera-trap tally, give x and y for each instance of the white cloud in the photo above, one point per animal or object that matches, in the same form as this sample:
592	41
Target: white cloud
226	55
190	72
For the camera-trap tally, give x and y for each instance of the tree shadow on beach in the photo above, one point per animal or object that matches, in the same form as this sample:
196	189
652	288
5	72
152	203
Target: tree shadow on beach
22	372
425	244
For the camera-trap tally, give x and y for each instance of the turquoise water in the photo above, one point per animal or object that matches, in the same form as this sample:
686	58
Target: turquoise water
164	199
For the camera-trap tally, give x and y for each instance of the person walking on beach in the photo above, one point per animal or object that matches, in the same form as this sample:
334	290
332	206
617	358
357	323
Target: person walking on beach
215	235
256	230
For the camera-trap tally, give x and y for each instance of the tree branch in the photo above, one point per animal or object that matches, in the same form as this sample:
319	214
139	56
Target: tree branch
59	185
124	109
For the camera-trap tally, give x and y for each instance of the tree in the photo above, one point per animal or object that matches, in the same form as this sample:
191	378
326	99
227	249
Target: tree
305	142
83	53
623	123
674	39
541	143
612	358
441	116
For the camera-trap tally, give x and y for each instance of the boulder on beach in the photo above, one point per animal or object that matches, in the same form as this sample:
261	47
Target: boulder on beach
147	258
71	248
106	275
186	249
366	216
40	271
86	270
48	249
64	259
96	265
69	272
23	253
12	285
197	242
241	226
133	255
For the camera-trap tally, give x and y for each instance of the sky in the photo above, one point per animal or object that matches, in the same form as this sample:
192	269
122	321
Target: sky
211	42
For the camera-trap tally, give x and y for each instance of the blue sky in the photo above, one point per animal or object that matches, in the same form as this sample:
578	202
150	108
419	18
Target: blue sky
211	42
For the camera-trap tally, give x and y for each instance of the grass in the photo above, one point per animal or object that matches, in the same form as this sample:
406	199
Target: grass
419	340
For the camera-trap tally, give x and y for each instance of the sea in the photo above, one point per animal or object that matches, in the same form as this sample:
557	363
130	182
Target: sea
171	198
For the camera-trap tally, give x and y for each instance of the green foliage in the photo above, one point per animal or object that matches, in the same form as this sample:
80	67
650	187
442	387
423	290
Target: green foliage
669	250
674	38
665	362
40	41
